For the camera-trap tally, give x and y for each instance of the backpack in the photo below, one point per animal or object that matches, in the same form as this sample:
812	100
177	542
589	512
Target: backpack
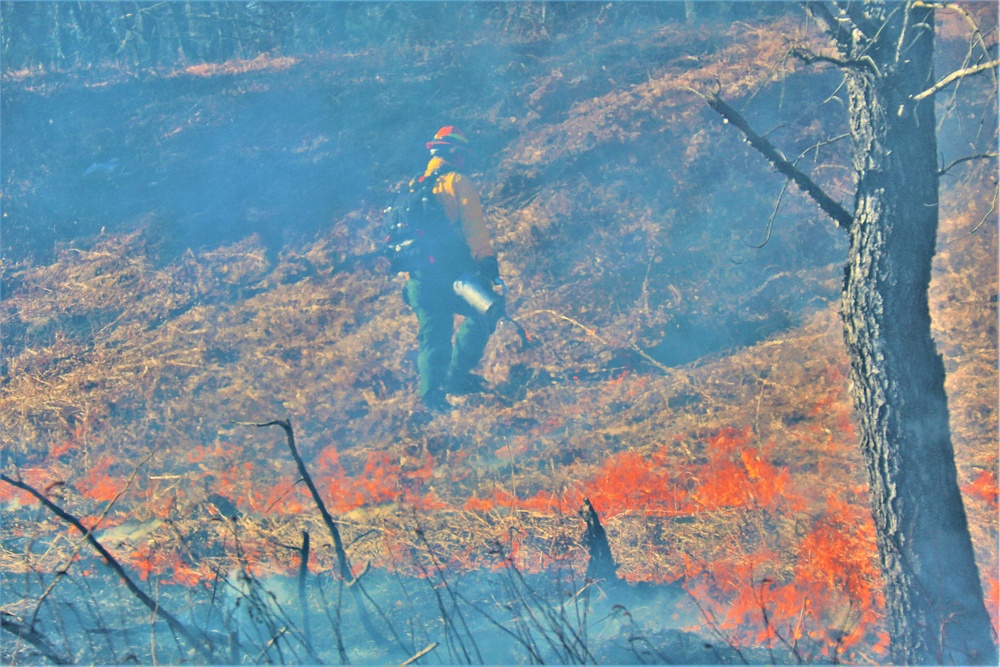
415	228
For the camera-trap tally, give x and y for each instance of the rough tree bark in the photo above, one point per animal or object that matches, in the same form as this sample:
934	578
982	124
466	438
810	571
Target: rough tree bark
933	594
934	599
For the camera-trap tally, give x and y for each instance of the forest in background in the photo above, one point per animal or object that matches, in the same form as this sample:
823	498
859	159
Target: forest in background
190	240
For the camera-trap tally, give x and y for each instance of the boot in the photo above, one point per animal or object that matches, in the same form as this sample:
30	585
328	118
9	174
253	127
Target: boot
462	384
435	401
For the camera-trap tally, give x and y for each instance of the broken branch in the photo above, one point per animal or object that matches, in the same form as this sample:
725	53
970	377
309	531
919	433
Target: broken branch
419	654
601	564
331	525
303	599
774	156
343	565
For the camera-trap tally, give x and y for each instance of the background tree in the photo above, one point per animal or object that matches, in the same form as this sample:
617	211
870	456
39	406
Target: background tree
934	598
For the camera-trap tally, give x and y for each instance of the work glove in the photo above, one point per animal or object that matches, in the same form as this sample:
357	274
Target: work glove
489	270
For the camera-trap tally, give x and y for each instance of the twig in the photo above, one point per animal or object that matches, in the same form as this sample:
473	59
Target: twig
335	618
771	218
793	647
632	346
784	188
713	625
590	332
265	610
967	158
982	222
198	643
524	641
419	654
272	642
572	643
452	629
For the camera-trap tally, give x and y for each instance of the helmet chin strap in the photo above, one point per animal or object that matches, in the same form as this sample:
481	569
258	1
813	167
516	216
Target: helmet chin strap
452	156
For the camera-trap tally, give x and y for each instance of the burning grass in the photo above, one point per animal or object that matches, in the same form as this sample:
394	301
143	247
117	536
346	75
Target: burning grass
727	492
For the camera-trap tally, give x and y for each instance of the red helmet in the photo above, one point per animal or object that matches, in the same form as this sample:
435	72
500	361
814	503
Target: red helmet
448	136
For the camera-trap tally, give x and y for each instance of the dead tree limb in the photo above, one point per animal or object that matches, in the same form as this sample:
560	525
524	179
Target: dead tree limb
63	570
810	58
200	643
955	76
343	566
419	654
338	543
774	156
36	639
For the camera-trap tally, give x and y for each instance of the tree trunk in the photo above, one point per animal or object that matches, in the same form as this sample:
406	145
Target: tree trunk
934	598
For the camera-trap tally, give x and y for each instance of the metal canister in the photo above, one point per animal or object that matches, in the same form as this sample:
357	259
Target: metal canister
483	300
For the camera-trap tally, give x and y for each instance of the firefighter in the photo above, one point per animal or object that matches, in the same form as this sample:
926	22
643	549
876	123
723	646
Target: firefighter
446	367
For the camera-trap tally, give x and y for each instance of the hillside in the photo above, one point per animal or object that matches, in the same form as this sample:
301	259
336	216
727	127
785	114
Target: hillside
191	251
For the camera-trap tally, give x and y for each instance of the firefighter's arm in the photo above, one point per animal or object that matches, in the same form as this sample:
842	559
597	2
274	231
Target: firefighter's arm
472	220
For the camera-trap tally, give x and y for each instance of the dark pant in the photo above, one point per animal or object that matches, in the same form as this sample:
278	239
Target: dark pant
436	304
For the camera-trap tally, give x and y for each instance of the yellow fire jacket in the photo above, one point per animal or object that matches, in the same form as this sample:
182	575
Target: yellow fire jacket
462	206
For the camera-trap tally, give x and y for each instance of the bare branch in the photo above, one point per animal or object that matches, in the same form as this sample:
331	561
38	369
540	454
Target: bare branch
784	188
955	76
338	544
774	156
199	643
771	218
989	216
967	158
36	639
62	571
810	58
977	33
